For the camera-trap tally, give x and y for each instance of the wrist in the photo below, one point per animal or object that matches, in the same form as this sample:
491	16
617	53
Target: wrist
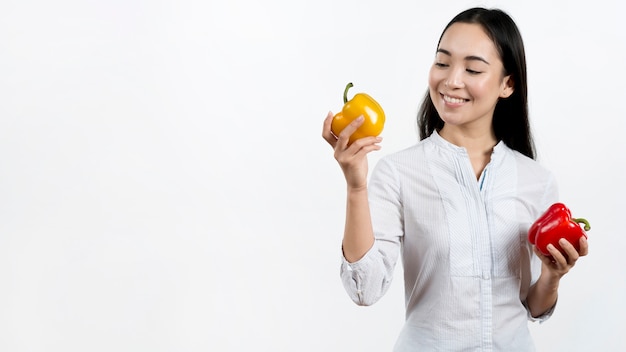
357	189
549	283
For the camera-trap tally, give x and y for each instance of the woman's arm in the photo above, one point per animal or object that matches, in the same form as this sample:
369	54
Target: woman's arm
358	234
543	294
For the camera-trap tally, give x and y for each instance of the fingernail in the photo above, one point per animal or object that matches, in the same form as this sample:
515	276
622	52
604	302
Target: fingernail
550	246
583	239
360	118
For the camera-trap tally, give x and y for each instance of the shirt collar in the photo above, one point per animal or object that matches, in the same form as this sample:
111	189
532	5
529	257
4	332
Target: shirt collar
497	152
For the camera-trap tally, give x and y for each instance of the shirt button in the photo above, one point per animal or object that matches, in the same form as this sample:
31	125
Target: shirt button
485	276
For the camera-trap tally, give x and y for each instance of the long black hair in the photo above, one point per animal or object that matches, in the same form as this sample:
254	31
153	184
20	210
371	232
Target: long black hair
510	117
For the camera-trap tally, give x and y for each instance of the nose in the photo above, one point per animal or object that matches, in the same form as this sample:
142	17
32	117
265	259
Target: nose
454	79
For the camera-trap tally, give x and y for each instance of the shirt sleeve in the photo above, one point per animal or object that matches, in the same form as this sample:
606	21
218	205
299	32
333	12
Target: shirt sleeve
550	197
369	278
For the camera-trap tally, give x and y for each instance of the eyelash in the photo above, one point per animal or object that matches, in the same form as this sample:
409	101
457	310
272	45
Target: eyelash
471	72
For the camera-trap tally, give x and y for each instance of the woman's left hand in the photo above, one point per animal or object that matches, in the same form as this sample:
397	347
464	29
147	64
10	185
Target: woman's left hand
559	264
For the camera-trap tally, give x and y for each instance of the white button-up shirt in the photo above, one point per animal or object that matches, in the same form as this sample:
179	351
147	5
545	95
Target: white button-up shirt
466	259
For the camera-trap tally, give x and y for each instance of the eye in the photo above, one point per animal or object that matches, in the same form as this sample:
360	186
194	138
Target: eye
441	64
472	72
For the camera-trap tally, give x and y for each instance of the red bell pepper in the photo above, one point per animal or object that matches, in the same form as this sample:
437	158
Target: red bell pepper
554	224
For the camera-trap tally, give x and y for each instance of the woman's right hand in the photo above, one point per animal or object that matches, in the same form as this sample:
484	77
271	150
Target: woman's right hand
351	158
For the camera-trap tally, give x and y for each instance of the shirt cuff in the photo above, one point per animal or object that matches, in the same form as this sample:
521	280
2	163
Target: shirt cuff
543	317
361	264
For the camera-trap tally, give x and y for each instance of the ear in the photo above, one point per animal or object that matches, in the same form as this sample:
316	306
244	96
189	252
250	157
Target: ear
508	85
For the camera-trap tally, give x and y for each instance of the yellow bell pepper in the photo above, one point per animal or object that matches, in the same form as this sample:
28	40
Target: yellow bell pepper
360	104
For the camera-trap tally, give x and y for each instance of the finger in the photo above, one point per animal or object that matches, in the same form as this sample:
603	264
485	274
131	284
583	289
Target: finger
327	134
584	246
344	136
362	142
547	260
366	145
558	257
357	150
570	251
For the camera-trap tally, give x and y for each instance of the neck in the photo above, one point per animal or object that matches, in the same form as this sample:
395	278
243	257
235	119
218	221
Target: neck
476	142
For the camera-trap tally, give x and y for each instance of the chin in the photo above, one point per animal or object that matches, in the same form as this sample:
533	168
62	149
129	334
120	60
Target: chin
451	119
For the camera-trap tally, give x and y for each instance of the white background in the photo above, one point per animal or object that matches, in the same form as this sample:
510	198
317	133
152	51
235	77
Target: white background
164	185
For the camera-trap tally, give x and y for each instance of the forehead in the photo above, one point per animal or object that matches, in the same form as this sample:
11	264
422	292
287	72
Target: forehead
468	39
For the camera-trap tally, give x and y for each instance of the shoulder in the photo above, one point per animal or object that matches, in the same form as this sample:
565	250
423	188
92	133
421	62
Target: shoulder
535	181
401	162
408	155
410	164
531	168
398	164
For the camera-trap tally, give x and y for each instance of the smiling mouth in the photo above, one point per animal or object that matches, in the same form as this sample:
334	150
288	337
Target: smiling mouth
453	100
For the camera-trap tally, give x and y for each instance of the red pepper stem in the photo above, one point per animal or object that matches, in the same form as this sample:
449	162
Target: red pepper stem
345	92
582	221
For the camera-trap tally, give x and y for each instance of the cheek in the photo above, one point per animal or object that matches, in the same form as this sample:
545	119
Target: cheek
433	83
484	90
433	79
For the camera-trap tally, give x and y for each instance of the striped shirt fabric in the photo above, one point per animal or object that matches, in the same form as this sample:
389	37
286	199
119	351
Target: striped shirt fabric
466	259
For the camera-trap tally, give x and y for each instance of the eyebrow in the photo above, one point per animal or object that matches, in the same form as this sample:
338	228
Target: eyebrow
467	58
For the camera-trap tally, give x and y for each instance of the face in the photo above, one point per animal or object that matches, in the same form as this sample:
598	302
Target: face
467	78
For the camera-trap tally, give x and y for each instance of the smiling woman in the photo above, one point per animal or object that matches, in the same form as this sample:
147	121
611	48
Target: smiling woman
466	81
457	206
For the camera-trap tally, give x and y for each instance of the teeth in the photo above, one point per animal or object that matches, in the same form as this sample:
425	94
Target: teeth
453	100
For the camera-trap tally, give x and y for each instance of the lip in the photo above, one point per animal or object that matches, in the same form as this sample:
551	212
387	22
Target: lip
453	100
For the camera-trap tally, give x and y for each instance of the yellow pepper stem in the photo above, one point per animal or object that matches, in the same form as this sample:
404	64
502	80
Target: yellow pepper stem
345	92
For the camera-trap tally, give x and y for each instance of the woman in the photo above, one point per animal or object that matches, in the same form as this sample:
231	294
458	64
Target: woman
457	206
